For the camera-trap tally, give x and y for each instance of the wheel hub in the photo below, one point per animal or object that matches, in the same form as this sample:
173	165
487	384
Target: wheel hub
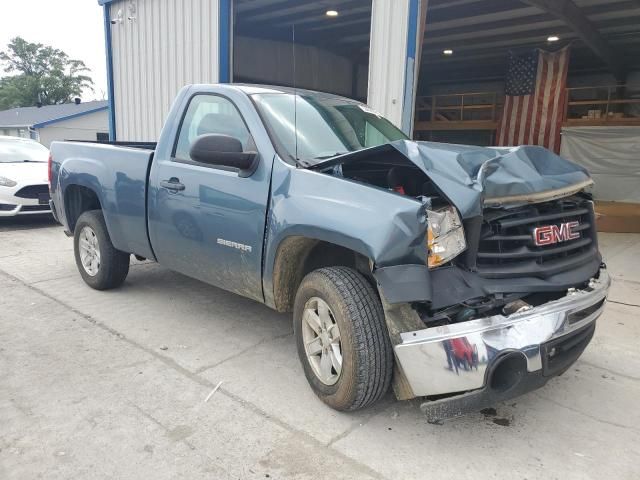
89	251
321	337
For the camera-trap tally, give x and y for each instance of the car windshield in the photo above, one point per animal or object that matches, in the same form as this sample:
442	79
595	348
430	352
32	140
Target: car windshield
326	125
18	151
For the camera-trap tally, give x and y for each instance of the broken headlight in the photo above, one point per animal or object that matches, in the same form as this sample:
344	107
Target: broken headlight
445	236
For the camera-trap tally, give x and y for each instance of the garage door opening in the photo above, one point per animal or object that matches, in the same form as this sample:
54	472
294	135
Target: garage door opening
562	74
466	57
331	44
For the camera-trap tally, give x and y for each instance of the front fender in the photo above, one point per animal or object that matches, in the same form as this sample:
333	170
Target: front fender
387	228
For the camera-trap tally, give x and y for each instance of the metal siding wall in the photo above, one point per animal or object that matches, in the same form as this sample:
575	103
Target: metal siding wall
394	59
170	43
387	57
411	68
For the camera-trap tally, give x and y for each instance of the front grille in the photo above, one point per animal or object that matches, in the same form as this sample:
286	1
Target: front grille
6	207
34	208
33	191
507	247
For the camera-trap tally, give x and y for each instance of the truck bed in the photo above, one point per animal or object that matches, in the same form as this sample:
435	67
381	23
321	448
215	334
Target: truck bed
118	143
118	174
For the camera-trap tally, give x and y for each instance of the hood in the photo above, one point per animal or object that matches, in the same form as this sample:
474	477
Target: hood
472	177
25	172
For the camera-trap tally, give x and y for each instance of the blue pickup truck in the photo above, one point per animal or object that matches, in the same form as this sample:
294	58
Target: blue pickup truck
462	275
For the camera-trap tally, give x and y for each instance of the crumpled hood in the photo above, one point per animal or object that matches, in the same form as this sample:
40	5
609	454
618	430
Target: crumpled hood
472	176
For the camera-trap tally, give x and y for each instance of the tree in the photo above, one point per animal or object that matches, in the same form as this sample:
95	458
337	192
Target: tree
40	74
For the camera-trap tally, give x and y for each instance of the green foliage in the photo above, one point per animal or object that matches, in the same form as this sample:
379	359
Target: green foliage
40	73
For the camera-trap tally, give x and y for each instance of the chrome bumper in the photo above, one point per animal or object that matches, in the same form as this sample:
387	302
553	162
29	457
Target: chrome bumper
465	356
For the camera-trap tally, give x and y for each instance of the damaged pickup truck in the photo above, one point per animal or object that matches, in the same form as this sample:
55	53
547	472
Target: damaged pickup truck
462	275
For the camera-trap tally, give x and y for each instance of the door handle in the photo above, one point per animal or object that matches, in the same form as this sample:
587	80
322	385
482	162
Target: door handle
172	184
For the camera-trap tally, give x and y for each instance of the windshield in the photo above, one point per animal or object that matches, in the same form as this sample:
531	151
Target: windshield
18	151
326	125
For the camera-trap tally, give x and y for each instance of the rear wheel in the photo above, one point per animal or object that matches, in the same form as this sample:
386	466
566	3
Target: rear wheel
342	338
100	264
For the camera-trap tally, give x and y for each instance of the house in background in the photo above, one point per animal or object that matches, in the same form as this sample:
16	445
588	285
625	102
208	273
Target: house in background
69	121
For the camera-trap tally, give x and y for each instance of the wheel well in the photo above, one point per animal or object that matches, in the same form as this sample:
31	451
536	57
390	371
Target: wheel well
77	200
298	256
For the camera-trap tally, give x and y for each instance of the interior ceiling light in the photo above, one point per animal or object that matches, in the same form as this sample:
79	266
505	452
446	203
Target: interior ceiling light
553	38
332	13
448	51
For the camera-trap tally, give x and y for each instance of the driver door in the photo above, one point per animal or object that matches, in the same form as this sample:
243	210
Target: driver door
206	221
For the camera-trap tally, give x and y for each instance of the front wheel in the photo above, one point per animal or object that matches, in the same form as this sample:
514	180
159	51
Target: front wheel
342	338
101	266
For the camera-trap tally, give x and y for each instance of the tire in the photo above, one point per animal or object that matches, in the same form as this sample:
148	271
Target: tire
367	356
111	266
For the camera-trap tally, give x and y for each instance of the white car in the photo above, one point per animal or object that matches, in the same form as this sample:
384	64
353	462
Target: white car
24	186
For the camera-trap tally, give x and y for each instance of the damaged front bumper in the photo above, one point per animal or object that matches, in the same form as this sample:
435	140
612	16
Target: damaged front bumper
476	363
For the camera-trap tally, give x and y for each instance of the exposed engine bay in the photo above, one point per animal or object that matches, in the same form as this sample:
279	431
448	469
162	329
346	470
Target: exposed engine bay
389	171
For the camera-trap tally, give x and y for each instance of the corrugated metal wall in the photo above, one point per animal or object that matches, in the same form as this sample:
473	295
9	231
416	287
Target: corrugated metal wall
164	46
394	58
387	57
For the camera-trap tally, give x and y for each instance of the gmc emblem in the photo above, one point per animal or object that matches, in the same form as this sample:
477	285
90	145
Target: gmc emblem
550	234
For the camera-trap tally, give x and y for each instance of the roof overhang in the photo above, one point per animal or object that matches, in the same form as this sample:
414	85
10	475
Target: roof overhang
68	117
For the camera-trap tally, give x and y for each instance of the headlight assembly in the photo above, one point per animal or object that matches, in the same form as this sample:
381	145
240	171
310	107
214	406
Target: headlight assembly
445	236
7	182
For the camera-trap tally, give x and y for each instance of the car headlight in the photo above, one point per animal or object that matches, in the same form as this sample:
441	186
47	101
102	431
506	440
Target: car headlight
7	182
445	236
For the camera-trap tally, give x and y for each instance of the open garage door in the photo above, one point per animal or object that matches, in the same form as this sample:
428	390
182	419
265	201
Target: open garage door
331	44
494	71
468	48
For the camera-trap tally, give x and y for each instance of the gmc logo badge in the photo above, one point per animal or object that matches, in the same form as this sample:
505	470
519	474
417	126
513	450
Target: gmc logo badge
550	234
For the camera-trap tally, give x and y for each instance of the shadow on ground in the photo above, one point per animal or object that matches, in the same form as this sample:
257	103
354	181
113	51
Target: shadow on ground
26	222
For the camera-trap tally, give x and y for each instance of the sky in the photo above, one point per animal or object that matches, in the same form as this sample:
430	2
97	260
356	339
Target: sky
74	26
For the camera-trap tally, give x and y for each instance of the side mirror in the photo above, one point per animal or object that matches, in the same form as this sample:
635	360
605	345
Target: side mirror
223	150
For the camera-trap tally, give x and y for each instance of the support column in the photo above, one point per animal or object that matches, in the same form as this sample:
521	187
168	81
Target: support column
394	61
225	30
109	59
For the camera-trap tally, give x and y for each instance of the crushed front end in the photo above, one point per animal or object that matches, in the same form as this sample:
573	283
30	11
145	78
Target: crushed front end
515	310
510	282
518	308
470	365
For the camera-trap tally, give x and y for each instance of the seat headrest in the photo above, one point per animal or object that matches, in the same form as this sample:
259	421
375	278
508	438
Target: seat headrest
221	123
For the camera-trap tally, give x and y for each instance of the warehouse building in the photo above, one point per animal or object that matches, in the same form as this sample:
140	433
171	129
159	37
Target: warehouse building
154	47
462	71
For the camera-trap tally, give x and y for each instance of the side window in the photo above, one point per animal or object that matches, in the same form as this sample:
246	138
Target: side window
210	114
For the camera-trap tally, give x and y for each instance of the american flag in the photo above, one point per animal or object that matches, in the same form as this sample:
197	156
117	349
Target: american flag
534	102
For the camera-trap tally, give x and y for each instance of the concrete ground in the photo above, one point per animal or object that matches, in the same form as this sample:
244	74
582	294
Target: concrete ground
113	385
